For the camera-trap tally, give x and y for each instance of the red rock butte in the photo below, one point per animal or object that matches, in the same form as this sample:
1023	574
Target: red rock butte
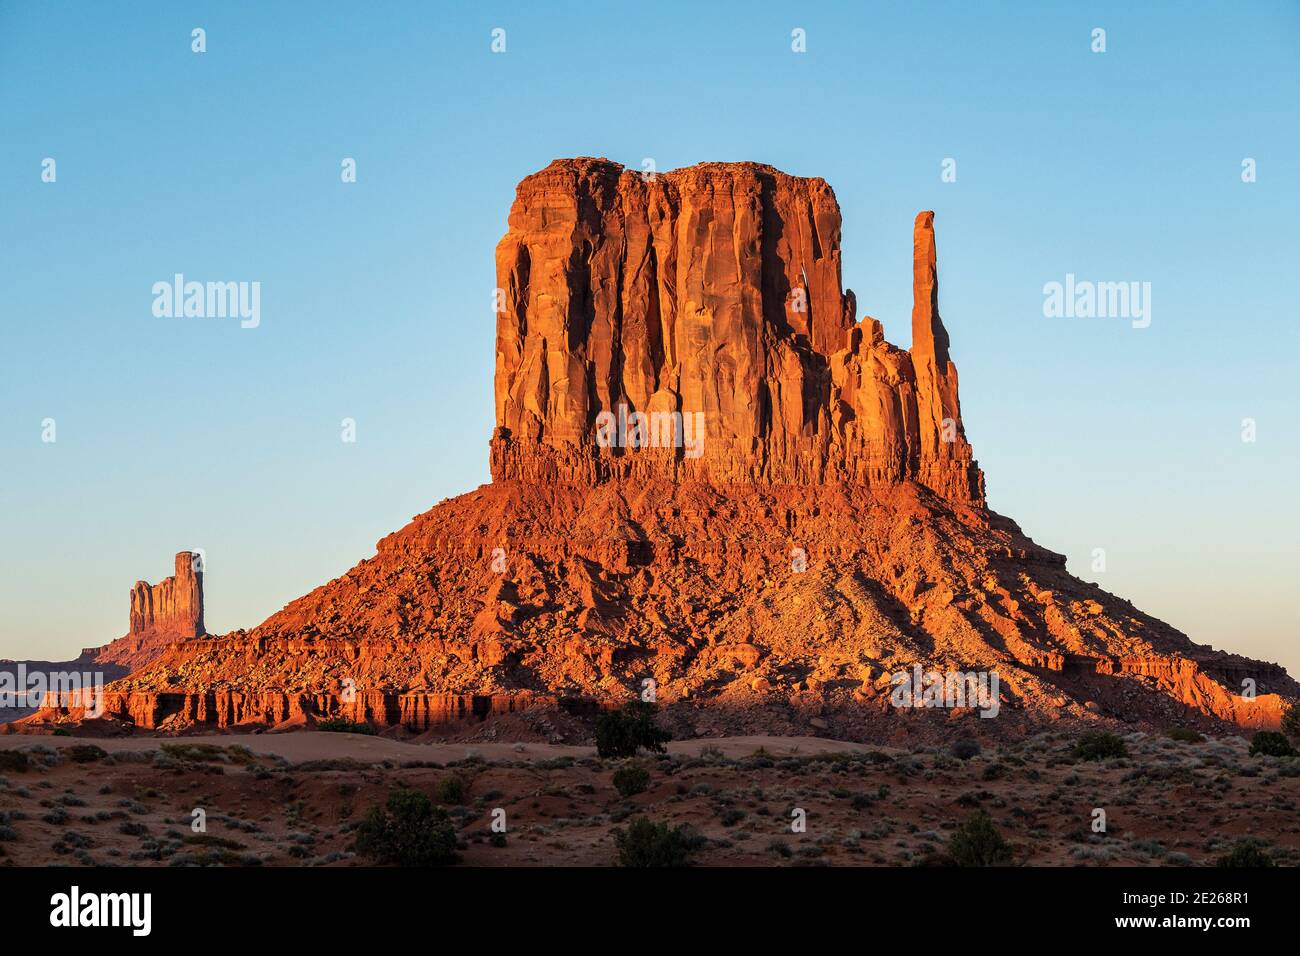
708	473
161	614
712	290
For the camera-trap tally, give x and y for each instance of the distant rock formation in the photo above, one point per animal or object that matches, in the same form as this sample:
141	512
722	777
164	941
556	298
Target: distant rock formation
174	605
829	535
161	614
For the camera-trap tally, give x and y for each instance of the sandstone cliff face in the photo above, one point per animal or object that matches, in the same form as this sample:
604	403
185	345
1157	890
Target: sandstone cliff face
174	604
711	293
161	614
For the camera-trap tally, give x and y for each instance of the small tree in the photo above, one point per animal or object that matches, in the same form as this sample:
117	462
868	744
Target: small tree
977	842
965	748
1291	721
450	790
1269	743
1099	746
340	725
631	779
646	843
408	831
620	733
1245	853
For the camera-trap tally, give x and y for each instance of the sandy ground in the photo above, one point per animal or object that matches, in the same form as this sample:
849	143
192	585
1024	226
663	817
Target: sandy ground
315	745
295	799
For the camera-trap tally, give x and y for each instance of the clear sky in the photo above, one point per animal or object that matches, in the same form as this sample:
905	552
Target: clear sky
376	295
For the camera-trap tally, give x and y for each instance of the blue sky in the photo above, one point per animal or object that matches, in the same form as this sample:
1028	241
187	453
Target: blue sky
1123	165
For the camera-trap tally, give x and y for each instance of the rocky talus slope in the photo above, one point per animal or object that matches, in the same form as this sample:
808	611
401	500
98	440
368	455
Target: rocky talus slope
783	513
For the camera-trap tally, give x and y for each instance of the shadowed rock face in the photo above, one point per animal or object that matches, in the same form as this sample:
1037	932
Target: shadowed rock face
830	534
715	292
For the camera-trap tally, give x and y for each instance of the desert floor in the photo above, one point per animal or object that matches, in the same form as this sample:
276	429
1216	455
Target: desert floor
294	799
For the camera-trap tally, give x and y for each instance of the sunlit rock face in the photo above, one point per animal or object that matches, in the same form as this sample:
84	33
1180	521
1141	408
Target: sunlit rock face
710	295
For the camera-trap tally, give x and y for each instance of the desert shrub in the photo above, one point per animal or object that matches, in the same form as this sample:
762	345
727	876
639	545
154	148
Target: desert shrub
208	839
213	856
1185	735
1291	720
621	733
72	840
450	790
195	753
934	858
61	732
965	749
646	843
13	760
631	779
84	753
407	831
1245	853
1099	746
977	842
1270	743
338	725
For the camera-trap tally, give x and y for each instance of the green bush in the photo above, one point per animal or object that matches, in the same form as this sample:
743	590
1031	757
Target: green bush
1245	853
408	831
1291	721
338	725
977	842
631	779
1185	735
621	733
84	753
1270	743
14	761
646	843
61	732
965	748
1099	746
450	790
